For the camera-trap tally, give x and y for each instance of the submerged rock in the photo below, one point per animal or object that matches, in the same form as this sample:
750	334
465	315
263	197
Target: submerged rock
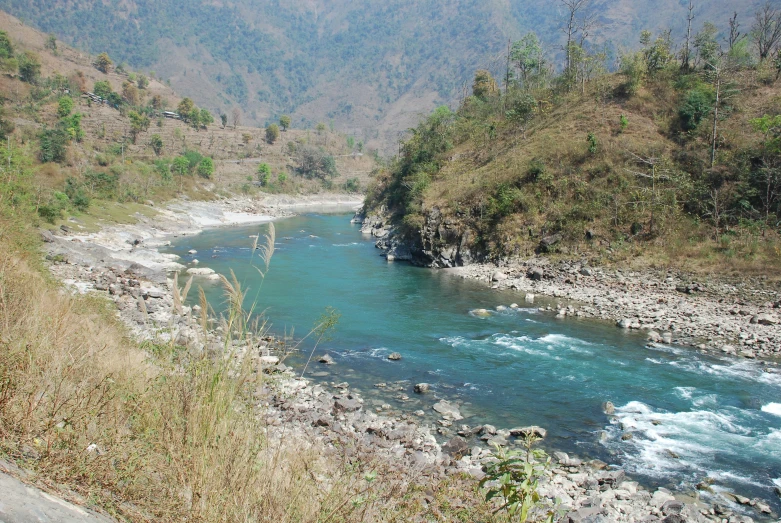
420	388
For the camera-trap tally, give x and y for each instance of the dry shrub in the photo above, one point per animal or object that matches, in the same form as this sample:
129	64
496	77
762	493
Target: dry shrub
148	438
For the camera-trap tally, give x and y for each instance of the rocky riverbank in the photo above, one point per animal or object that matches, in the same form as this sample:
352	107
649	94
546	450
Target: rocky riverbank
721	315
124	263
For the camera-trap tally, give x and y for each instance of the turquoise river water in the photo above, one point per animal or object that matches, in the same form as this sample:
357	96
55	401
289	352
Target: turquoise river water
692	416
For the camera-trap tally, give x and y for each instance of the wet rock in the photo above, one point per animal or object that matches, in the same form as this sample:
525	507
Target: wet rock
395	356
327	359
498	276
522	432
420	388
626	436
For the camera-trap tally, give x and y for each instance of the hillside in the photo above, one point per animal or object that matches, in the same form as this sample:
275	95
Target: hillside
371	67
99	141
619	168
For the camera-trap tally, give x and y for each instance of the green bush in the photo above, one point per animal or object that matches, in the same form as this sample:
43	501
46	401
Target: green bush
65	106
206	168
52	145
696	106
352	185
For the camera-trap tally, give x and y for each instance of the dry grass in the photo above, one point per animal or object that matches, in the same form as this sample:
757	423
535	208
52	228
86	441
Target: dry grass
157	433
148	439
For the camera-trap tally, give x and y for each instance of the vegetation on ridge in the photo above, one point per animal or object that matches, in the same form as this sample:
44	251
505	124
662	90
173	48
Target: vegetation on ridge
673	158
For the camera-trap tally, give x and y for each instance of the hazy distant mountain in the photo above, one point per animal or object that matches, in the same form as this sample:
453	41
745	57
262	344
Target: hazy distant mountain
371	67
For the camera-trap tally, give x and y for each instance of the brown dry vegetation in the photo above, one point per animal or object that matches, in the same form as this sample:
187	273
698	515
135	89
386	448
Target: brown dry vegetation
555	185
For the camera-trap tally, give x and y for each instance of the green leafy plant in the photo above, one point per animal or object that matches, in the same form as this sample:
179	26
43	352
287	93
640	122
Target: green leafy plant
623	123
514	479
592	143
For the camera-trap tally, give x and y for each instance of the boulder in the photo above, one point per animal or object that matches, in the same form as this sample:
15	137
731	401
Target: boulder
624	323
767	319
535	273
583	515
420	388
498	276
548	243
608	408
346	405
448	410
395	356
522	432
327	359
456	447
267	361
46	236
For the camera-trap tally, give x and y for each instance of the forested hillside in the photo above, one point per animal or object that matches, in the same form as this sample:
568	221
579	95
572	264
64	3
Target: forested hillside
672	159
371	67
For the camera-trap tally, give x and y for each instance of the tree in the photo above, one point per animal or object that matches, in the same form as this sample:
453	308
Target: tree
633	66
29	67
766	30
52	145
284	122
130	93
6	48
246	138
686	53
320	128
224	120
484	86
572	26
206	167
6	125
194	117
102	88
708	48
143	82
206	118
272	133
185	107
236	114
527	56
769	174
156	141
180	167
313	162
138	123
657	54
264	174
103	63
157	102
51	43
64	106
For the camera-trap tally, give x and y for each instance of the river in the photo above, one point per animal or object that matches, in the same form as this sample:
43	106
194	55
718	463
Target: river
691	416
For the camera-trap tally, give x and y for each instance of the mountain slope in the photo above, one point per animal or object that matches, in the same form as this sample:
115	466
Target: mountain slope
371	67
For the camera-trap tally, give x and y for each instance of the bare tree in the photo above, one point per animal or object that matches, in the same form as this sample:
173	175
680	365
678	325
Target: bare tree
766	30
734	34
236	114
686	55
572	27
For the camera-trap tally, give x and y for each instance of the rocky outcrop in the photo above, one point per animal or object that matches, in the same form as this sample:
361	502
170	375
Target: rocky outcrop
441	242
